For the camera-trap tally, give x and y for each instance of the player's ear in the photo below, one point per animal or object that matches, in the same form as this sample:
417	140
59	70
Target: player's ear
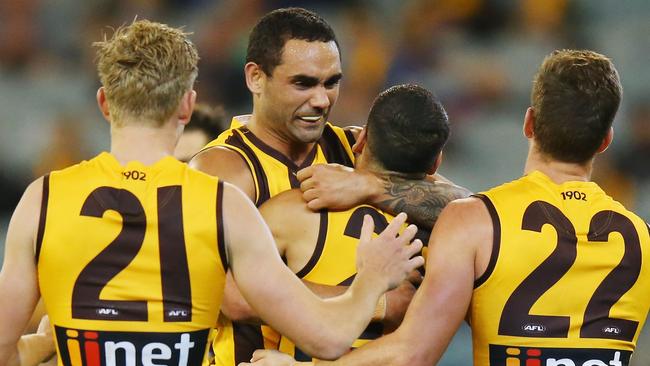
103	103
186	107
529	122
255	77
436	164
607	140
361	141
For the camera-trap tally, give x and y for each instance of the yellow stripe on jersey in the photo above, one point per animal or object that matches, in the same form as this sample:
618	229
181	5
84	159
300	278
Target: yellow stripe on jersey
567	272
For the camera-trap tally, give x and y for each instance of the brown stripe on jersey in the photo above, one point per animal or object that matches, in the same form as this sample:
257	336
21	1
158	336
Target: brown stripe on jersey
350	136
292	169
496	239
320	244
333	148
221	242
237	141
175	279
275	154
347	281
42	217
293	179
247	338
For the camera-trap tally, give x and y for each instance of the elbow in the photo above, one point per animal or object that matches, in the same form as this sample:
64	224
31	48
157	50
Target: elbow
239	311
234	306
330	349
325	344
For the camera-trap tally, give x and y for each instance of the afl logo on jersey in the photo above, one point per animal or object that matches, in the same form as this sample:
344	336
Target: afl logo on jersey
612	330
534	328
107	312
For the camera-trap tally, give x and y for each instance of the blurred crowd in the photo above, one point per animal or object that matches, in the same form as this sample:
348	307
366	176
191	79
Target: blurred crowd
477	55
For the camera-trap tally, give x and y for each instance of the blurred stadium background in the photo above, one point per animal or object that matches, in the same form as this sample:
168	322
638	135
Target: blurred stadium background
479	56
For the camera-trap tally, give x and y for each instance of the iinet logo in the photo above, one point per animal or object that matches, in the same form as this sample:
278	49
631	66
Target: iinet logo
95	348
525	356
532	359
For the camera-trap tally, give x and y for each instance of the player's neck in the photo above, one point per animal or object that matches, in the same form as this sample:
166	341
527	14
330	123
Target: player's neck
146	144
370	166
558	171
294	151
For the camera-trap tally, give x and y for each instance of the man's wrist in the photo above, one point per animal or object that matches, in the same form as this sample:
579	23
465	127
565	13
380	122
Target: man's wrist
375	188
367	286
380	309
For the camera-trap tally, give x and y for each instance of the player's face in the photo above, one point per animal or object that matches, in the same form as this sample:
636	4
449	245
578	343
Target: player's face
298	96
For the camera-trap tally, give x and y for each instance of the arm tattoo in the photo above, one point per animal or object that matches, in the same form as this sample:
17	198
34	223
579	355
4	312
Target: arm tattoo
421	200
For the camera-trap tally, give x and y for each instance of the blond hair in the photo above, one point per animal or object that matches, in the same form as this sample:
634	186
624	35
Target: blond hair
145	69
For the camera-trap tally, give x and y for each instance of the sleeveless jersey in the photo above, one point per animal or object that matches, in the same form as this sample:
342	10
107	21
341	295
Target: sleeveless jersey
131	261
333	261
273	173
568	279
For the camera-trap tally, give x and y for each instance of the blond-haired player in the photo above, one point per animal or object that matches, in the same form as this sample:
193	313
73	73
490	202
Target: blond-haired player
129	250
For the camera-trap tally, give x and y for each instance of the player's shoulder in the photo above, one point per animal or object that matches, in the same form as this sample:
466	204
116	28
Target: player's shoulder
471	212
81	167
217	159
466	205
452	191
286	204
27	211
288	207
35	188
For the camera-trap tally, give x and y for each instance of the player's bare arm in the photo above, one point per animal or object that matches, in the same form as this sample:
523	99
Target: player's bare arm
313	324
18	279
293	243
296	241
228	165
457	257
338	187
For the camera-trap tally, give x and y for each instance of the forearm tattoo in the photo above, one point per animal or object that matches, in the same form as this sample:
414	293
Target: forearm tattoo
421	200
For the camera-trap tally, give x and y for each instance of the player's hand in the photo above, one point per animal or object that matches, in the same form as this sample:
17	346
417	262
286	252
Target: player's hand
263	357
398	300
336	186
390	257
44	326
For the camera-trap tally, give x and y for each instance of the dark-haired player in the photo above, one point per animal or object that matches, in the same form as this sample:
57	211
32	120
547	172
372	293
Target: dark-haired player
130	249
293	70
320	246
551	270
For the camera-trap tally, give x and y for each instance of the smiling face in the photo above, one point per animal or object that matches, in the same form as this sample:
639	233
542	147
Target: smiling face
295	101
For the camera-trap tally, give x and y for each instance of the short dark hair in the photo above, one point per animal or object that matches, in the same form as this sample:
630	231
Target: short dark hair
575	97
268	37
209	120
407	128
